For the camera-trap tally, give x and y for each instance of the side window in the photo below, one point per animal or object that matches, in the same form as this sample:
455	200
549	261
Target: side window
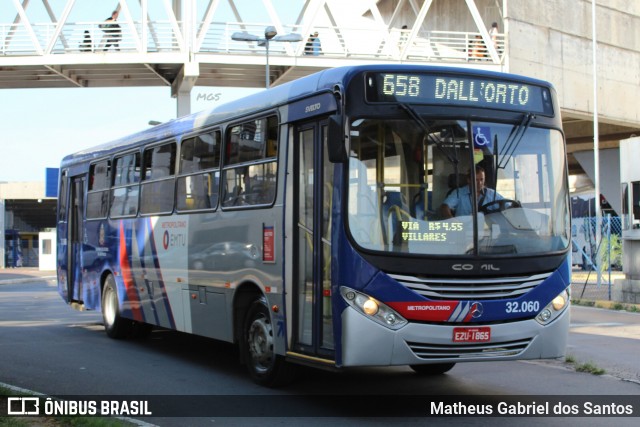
251	163
98	192
157	189
125	189
199	172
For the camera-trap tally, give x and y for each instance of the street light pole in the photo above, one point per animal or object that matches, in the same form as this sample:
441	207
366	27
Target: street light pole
270	34
596	146
267	80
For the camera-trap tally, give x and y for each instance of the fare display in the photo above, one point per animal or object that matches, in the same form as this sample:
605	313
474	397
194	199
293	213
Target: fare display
458	90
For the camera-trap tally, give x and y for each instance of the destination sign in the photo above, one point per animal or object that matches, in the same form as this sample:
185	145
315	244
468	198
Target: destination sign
433	231
458	90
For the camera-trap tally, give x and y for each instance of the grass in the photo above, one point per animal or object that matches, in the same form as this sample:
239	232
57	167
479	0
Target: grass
584	303
588	367
53	421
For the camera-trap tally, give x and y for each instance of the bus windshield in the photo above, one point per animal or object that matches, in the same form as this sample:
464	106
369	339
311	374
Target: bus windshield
457	187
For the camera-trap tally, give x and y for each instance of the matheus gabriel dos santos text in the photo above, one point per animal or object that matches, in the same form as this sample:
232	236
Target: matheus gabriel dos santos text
533	408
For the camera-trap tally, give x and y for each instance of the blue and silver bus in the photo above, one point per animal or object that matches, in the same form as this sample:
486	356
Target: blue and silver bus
361	216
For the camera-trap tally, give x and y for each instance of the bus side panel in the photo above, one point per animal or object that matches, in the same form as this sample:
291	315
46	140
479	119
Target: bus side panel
149	253
226	252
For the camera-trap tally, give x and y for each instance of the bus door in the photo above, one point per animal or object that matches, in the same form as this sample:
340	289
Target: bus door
313	185
75	239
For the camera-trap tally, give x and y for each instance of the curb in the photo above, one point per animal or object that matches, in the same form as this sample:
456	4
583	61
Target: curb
607	305
27	280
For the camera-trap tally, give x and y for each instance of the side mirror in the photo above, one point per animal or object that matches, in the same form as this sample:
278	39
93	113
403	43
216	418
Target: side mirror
335	140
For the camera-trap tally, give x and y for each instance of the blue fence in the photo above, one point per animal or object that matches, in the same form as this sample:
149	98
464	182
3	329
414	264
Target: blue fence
596	265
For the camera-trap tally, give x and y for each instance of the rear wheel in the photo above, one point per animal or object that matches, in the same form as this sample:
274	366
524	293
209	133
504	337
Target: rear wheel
115	325
265	367
434	369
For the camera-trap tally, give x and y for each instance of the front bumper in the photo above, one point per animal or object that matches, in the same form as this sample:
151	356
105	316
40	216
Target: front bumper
366	343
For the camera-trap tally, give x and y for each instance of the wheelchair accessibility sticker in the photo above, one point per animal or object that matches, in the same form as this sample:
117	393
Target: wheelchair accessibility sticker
481	137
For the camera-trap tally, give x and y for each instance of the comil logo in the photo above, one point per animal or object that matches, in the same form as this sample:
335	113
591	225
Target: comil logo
23	406
462	267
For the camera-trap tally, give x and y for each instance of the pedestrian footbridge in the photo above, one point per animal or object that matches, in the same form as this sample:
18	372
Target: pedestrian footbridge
63	43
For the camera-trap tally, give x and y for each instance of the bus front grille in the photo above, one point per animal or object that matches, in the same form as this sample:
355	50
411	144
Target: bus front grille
471	289
468	351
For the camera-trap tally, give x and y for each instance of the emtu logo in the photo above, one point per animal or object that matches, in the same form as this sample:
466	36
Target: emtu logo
165	240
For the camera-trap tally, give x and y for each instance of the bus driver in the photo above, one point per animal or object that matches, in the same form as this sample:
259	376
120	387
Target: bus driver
458	202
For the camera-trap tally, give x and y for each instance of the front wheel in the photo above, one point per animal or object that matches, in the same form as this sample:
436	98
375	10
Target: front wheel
115	325
434	369
265	367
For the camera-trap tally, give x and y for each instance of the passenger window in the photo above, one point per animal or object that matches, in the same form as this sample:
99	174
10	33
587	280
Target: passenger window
157	190
250	185
125	190
251	163
249	141
98	193
127	169
199	178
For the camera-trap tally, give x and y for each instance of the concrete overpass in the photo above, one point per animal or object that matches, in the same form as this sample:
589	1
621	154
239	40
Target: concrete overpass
181	44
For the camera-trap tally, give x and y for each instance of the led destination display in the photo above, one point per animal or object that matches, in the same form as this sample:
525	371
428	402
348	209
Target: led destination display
458	90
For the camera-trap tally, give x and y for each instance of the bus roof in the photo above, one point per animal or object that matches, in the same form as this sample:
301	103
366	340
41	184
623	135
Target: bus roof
324	80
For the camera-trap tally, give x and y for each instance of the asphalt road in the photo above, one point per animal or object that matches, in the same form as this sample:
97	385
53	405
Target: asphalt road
47	347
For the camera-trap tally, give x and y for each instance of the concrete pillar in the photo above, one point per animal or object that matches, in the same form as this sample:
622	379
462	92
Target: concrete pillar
181	87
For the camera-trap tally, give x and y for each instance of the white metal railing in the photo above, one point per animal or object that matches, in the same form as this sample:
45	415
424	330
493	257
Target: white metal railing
167	36
157	36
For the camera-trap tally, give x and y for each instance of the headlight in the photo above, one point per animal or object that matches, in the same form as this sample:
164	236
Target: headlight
554	308
373	309
559	302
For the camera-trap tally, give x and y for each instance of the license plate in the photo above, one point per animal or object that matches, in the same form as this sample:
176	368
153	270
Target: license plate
479	334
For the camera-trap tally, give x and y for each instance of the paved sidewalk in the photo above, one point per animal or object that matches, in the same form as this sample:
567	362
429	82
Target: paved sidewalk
25	274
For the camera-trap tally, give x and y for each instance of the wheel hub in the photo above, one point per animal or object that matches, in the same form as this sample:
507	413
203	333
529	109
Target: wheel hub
261	343
110	307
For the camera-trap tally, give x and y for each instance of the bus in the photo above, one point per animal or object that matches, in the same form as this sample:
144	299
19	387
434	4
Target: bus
305	223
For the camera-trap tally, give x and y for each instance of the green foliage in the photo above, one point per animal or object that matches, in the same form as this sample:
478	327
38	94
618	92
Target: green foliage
590	368
611	252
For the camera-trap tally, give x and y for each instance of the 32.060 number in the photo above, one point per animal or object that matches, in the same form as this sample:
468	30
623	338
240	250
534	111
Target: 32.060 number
523	307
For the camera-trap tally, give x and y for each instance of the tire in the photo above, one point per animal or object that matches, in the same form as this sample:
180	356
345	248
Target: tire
265	367
434	369
115	325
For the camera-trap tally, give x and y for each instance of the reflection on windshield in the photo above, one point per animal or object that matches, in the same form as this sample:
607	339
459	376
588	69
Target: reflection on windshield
457	187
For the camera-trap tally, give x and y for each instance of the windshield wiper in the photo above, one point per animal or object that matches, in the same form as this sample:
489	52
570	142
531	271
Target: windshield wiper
514	138
425	128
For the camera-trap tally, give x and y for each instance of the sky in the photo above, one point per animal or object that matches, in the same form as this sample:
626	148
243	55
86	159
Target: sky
38	127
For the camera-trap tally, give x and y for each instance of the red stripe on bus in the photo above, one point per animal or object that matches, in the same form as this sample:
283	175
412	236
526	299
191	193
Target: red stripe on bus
129	284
